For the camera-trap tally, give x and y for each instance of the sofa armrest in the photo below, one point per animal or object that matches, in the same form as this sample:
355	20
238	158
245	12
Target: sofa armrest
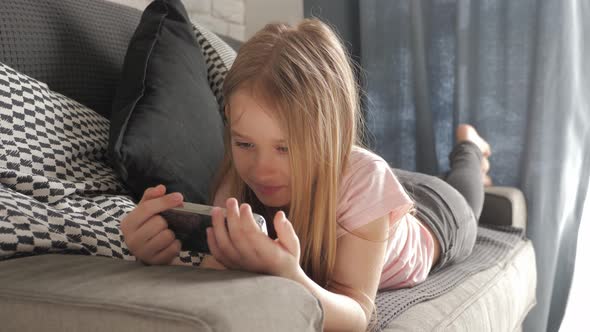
88	293
504	206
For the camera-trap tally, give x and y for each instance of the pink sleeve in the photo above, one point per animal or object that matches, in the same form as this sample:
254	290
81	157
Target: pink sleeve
370	191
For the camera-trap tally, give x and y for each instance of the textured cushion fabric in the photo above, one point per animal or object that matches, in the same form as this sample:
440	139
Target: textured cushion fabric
57	191
165	125
504	206
75	46
76	293
496	299
53	174
219	57
50	142
493	244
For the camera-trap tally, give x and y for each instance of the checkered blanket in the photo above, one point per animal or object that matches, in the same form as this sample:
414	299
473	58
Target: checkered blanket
58	192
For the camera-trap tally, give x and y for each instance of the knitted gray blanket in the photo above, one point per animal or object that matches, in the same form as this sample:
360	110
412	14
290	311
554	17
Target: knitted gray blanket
492	245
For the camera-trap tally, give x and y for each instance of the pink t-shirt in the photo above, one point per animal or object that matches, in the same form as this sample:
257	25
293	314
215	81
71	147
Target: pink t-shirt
369	190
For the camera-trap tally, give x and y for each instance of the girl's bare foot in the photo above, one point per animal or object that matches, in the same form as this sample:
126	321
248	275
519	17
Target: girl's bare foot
466	132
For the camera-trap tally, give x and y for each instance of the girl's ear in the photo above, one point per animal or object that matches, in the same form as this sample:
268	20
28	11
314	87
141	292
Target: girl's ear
226	114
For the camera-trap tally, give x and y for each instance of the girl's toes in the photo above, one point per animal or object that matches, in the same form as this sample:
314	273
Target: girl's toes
486	151
485	165
487	181
467	132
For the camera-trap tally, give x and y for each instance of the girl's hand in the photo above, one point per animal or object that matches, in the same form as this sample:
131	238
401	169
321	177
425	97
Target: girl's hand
242	245
209	262
146	233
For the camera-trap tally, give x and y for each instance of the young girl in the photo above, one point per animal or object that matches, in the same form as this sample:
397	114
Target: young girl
341	221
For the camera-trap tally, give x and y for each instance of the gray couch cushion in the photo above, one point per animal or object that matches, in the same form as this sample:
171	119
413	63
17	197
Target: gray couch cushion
75	46
497	299
504	206
82	293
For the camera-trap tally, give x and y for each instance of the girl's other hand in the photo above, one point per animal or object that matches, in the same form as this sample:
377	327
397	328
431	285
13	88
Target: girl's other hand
243	246
146	233
209	262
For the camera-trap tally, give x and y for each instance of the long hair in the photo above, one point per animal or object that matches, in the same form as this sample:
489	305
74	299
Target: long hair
305	72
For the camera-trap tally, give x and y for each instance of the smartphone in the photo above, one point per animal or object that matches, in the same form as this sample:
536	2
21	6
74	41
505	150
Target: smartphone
189	223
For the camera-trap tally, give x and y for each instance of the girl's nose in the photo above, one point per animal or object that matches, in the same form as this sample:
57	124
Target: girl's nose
264	164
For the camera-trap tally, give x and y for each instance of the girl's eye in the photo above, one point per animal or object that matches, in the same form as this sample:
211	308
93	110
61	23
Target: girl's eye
283	149
244	145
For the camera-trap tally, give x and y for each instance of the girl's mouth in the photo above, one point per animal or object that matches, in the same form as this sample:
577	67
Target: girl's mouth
268	190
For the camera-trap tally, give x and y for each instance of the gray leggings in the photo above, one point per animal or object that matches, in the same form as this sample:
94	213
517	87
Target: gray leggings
452	205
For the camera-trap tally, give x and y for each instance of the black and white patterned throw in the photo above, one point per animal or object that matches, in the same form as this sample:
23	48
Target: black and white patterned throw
58	193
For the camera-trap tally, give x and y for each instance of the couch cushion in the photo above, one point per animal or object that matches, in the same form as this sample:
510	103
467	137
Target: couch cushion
496	299
75	46
165	125
219	57
80	293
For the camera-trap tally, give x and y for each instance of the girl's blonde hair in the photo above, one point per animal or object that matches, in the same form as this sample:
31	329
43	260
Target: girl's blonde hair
306	74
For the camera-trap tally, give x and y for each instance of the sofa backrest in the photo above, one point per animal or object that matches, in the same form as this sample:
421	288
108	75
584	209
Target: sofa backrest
77	47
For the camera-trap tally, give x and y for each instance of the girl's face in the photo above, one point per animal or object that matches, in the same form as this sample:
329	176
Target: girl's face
259	149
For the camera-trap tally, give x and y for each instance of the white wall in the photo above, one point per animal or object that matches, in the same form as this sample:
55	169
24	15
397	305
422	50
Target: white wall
226	17
239	19
261	12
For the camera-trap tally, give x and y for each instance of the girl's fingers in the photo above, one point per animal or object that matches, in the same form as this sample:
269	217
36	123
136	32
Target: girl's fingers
149	208
168	254
158	243
240	228
153	192
222	239
146	232
240	220
216	251
264	247
248	224
242	245
233	218
241	235
286	234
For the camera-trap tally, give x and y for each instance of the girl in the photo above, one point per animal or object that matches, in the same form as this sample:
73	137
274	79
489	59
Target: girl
343	223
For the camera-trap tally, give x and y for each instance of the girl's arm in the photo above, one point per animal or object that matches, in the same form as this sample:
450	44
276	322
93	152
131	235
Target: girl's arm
146	233
349	302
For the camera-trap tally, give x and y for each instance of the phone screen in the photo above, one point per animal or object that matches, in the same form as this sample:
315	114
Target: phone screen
190	228
189	224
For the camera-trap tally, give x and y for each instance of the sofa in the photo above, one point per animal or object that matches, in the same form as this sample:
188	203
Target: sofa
76	49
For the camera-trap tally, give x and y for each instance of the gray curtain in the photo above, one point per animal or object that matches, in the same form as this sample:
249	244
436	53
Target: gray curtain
519	71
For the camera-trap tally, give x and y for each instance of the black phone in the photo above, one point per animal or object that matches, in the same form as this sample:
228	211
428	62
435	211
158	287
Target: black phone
189	223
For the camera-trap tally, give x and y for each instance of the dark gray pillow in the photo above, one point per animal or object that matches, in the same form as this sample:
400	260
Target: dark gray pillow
165	125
